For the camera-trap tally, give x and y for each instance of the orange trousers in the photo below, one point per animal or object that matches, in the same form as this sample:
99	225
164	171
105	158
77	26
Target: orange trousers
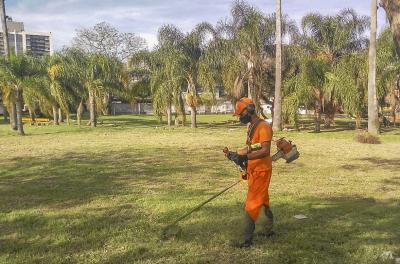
257	195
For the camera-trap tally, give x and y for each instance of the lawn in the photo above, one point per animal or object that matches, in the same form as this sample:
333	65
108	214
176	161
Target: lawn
81	195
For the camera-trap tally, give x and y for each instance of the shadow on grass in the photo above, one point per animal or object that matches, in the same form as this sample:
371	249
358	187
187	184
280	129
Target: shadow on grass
3	122
332	130
337	230
374	162
383	162
60	210
74	178
130	121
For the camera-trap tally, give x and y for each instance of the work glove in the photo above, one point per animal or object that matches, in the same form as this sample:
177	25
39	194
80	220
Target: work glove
238	159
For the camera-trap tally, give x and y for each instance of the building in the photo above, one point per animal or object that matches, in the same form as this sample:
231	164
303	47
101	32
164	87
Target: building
20	41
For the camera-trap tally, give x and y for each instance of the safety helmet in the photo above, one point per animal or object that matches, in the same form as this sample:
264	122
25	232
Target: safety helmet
242	104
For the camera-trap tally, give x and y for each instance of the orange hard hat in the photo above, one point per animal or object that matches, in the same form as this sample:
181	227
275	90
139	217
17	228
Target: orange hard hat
242	104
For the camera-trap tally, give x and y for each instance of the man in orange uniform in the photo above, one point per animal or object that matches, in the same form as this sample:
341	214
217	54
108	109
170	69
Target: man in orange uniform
259	169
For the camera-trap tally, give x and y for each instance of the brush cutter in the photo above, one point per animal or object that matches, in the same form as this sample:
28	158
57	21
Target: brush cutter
285	150
173	230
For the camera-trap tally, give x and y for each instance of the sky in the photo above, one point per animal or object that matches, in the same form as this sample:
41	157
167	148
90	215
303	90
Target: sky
144	17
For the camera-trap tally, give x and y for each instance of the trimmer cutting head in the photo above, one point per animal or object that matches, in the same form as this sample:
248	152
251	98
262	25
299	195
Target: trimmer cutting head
171	231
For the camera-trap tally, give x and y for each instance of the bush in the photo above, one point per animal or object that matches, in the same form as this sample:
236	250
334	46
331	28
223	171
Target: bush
365	137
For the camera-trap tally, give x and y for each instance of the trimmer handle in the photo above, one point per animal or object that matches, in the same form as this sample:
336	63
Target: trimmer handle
243	171
226	151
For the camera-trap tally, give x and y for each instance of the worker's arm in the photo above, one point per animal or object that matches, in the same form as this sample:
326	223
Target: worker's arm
263	152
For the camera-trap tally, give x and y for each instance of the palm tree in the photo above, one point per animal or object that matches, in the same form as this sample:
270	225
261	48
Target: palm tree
10	98
349	80
186	63
325	40
4	27
72	78
392	8
373	122
192	48
160	72
388	69
17	73
278	71
241	57
86	77
103	75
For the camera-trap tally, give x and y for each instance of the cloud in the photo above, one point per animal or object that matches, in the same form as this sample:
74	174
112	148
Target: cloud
144	17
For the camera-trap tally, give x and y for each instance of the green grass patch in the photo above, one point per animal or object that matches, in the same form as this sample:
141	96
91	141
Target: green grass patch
82	195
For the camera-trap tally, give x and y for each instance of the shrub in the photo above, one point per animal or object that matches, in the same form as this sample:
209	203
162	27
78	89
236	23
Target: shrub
365	137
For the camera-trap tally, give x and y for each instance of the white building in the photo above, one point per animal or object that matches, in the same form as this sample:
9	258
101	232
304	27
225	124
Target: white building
20	41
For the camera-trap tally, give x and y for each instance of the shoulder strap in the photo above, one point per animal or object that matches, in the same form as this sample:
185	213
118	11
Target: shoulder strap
250	133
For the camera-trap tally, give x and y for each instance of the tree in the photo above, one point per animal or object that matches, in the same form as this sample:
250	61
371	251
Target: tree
324	40
7	97
76	75
102	74
61	85
189	48
388	73
241	58
105	39
349	79
278	71
392	8
373	122
16	74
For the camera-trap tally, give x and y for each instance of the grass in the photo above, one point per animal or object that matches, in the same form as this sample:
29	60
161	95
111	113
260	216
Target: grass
81	195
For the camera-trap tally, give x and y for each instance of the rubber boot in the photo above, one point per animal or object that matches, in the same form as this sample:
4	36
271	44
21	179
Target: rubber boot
267	232
248	231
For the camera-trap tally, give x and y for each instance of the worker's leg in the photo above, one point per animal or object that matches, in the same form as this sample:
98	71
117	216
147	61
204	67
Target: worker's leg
249	226
268	227
247	232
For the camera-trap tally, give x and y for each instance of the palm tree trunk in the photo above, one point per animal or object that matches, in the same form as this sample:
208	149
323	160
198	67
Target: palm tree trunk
192	104
176	119
5	114
55	118
328	120
60	117
392	8
182	110
5	30
373	121
250	83
13	116
32	115
329	114
169	114
277	121
193	116
67	115
92	110
107	104
79	113
358	121
317	128
20	125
